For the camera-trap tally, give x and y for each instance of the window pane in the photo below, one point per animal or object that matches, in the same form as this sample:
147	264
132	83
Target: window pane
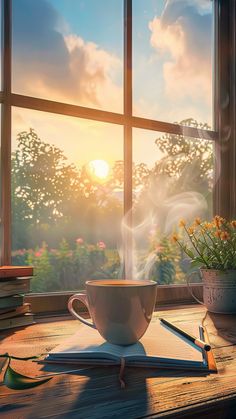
172	60
172	181
69	51
67	198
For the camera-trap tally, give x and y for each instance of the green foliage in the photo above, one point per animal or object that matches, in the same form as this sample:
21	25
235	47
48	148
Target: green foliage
68	267
163	270
161	264
45	278
182	152
42	180
75	266
186	162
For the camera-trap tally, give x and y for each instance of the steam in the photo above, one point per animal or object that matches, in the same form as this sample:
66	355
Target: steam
157	209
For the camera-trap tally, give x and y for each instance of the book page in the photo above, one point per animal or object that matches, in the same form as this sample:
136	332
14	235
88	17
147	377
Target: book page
160	341
158	344
87	343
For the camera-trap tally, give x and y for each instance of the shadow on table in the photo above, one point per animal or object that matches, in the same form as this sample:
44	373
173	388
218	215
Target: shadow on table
96	391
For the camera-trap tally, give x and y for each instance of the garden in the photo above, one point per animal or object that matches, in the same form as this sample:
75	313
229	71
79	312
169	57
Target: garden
68	225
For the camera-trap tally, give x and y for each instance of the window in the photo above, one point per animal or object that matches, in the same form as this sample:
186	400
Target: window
67	198
110	124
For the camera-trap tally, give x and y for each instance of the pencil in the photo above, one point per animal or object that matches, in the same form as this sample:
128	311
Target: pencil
198	342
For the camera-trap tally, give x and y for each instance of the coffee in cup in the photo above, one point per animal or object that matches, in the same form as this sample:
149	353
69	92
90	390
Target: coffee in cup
121	310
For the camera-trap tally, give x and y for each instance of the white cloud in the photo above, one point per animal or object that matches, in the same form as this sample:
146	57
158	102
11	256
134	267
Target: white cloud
182	36
92	70
50	65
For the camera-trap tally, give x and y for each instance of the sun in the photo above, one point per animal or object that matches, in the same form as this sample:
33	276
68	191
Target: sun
99	168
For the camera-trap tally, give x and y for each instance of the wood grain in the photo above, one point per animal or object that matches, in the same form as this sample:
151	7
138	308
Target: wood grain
96	393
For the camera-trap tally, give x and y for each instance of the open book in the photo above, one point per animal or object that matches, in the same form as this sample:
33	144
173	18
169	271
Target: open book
159	347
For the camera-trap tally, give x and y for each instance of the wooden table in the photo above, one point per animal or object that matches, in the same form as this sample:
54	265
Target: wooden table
95	393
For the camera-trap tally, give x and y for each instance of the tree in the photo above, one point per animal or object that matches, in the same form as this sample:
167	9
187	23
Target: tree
188	160
186	165
41	179
52	199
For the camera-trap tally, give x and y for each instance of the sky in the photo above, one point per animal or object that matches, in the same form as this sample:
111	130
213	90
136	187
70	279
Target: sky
72	51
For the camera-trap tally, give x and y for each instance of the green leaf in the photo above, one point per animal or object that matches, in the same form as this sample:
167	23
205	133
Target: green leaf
190	254
199	259
16	381
196	263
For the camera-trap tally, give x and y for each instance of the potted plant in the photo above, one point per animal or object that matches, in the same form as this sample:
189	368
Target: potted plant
211	246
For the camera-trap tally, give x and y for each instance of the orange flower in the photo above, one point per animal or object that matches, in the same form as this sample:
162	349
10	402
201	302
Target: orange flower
218	234
198	221
175	237
218	221
233	223
208	226
182	223
190	230
224	235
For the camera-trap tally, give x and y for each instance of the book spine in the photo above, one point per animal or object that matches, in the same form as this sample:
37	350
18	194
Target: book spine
16	312
12	301
23	320
22	307
18	286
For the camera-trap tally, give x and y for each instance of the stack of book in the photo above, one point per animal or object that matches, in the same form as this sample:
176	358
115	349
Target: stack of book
14	283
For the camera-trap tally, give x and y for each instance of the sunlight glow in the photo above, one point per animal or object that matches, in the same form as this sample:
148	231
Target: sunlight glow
99	168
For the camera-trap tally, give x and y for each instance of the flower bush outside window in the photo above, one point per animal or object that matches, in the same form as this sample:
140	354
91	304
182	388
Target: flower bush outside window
211	245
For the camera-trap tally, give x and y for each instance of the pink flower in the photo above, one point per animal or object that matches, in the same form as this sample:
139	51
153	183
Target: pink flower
101	245
79	240
39	252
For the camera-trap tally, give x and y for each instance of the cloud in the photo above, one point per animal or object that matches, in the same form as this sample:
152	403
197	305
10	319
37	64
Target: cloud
182	36
92	69
50	65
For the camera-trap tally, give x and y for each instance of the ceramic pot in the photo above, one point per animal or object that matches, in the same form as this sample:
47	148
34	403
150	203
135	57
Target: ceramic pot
219	290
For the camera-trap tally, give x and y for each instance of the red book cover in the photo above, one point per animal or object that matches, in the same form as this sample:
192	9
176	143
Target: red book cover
15	271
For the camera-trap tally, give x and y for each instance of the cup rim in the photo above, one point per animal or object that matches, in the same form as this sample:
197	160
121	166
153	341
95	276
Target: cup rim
117	283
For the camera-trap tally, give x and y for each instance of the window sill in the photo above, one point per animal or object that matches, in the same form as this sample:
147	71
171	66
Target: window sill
166	295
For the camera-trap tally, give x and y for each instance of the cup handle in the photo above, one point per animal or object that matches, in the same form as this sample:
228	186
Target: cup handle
83	299
190	289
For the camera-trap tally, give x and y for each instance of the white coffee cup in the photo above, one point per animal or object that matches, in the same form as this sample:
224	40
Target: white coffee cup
121	310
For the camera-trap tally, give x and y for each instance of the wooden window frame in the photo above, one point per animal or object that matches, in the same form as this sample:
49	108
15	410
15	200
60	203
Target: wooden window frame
224	194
